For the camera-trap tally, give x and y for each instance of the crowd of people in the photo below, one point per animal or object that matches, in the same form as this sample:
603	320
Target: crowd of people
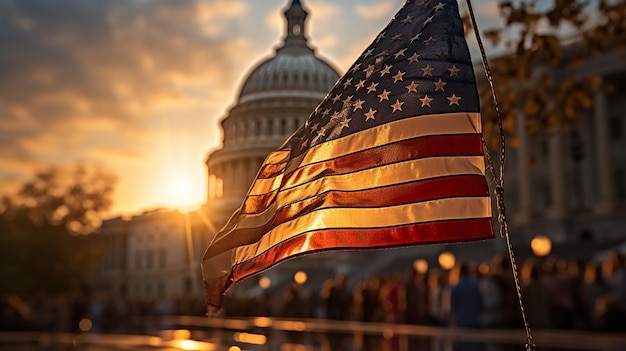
557	294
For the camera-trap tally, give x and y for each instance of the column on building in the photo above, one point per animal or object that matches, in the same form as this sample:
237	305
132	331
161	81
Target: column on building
263	133
253	169
210	184
275	125
234	178
604	198
218	188
557	179
242	177
524	179
228	179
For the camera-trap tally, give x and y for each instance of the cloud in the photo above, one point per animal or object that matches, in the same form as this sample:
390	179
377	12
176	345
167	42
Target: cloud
375	11
275	21
211	15
79	78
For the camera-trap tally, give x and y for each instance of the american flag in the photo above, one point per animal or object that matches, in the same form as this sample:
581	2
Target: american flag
391	157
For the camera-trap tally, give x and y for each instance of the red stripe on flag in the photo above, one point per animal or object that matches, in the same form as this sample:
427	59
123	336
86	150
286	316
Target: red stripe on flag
393	195
337	239
421	147
431	189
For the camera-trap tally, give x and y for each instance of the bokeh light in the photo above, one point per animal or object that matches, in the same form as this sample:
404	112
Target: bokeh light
420	265
300	277
85	325
541	245
265	282
446	260
181	334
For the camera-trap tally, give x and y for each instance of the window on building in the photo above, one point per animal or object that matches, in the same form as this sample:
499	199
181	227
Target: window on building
283	126
187	285
138	260
149	259
270	126
244	130
148	290
123	290
161	289
162	258
616	126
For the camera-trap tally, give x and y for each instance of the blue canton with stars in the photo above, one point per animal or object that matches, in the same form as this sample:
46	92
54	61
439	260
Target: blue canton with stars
418	65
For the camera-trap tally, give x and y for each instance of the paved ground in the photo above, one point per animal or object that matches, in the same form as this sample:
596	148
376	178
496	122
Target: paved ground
217	334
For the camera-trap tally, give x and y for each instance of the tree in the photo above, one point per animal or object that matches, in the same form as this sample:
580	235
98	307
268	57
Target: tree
43	246
546	73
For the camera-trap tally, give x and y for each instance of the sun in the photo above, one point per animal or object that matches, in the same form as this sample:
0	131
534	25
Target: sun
182	193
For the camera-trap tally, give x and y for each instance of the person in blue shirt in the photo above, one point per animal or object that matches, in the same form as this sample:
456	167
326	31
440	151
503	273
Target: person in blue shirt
466	303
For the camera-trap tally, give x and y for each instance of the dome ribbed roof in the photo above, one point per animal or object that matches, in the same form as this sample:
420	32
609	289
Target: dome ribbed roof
294	66
288	72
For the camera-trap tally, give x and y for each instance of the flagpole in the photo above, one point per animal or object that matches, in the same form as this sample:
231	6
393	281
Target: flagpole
499	180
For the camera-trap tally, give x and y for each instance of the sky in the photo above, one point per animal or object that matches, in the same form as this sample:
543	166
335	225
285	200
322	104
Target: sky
138	87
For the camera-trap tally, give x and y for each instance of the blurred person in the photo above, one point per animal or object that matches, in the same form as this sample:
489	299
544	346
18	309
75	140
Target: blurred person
336	299
537	301
509	306
358	295
15	314
594	288
466	303
438	297
416	297
576	276
614	271
292	305
392	299
372	309
610	313
562	291
491	295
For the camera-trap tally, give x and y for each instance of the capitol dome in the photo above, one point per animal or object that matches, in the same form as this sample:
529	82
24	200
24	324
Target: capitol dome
294	70
275	100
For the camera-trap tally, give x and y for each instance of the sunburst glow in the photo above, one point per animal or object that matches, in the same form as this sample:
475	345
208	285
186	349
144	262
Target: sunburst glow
182	191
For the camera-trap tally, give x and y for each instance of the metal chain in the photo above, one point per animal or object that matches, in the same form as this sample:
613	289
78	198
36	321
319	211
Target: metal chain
499	182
